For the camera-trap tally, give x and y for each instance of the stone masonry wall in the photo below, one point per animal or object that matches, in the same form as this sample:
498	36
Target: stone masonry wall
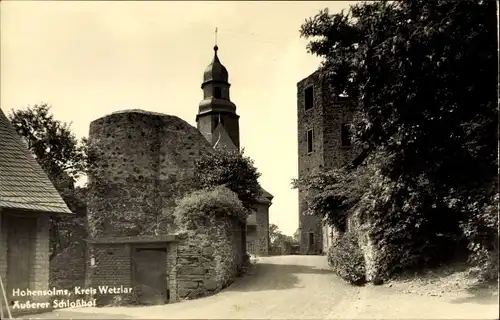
326	119
143	161
309	163
262	217
208	257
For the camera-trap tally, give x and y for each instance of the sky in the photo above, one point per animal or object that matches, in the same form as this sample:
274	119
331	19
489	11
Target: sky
90	58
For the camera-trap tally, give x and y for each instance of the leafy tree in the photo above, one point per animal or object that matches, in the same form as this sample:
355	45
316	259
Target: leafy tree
277	238
274	233
63	158
422	77
55	147
232	169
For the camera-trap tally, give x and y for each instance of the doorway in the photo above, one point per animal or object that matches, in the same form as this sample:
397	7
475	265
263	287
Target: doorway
311	241
150	275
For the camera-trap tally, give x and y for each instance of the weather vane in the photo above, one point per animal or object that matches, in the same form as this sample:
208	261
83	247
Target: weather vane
215	35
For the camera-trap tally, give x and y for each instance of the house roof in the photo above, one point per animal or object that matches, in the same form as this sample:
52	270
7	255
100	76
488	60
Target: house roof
23	183
266	194
265	197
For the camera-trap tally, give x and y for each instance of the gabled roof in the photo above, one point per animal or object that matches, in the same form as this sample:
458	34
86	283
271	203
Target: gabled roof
23	183
264	196
223	138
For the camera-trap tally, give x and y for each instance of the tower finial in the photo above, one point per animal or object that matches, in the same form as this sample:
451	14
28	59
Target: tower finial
215	46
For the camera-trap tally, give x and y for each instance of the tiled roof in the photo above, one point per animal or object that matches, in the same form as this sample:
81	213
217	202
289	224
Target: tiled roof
23	183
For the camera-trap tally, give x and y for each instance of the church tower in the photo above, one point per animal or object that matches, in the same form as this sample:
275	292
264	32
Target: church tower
217	119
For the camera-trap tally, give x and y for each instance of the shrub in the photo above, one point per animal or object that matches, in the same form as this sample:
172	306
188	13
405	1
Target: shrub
204	204
347	260
481	230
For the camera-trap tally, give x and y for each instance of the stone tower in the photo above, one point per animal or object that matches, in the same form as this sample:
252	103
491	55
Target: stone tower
217	118
323	143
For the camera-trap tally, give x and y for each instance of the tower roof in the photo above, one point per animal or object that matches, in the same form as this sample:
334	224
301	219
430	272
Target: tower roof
215	70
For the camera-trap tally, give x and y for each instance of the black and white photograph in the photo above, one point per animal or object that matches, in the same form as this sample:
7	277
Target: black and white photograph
249	159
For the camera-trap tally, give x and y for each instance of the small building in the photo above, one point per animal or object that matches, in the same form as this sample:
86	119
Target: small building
27	200
258	225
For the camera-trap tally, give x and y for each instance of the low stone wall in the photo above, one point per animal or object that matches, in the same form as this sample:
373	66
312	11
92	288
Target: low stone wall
209	257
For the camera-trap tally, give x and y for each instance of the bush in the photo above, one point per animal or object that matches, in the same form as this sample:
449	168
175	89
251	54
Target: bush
347	260
481	229
201	205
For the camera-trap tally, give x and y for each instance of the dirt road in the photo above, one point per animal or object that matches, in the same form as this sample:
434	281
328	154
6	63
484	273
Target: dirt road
301	287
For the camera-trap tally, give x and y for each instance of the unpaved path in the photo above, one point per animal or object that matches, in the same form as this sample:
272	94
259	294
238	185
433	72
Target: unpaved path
301	287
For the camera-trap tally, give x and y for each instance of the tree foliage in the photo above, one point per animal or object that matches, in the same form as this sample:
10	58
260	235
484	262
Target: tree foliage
63	158
232	169
277	238
52	142
422	77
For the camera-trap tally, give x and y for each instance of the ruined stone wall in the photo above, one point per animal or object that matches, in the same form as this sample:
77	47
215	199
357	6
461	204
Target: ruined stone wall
143	162
209	257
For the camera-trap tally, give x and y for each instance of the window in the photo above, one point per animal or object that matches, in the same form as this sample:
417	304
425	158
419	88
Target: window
217	93
309	98
309	141
345	135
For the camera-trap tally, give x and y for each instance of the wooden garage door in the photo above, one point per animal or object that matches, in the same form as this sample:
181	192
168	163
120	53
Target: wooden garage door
150	265
21	233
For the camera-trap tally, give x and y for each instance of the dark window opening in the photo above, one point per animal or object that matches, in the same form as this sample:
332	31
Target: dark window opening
217	93
309	141
343	226
345	135
309	98
311	239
